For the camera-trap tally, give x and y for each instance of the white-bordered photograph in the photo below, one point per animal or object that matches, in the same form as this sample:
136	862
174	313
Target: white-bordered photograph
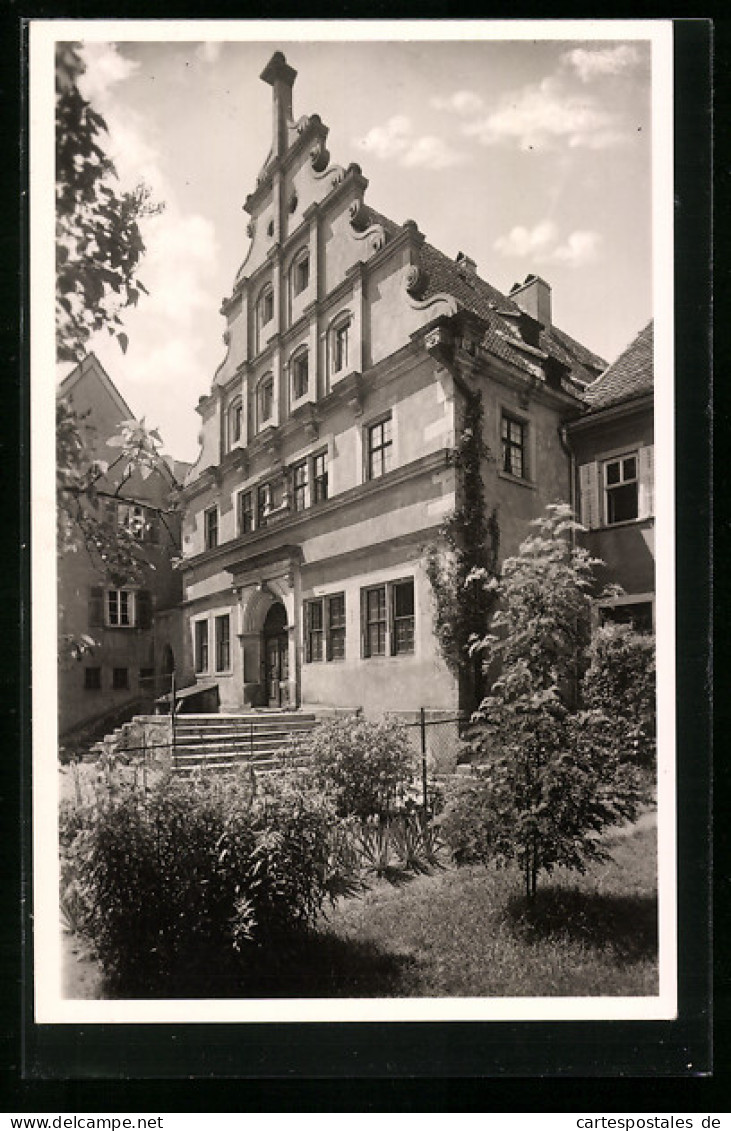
359	532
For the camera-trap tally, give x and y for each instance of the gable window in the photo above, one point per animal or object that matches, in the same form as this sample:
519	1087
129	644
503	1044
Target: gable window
223	643
387	613
301	273
235	422
513	445
265	400
300	375
92	679
621	499
200	641
266	305
120	679
246	512
210	527
340	345
263	503
131	517
319	477
299	486
379	448
325	628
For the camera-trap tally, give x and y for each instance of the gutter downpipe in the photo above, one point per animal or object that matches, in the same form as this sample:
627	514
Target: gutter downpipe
563	437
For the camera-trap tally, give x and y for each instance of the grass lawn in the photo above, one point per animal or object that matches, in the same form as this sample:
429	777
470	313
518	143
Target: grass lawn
466	932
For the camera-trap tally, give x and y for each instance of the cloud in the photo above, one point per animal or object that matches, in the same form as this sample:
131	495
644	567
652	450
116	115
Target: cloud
544	114
396	141
541	245
591	63
461	102
105	69
170	329
581	247
521	242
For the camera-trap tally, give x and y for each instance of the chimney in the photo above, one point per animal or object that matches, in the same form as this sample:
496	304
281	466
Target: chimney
280	77
534	297
466	265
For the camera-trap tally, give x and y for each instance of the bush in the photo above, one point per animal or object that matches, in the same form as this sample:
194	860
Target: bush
365	767
183	880
621	676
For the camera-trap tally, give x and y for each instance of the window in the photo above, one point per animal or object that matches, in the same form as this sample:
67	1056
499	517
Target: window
120	679
336	627
246	512
300	375
376	622
621	489
512	435
147	679
235	422
266	305
314	622
223	643
325	628
201	645
402	596
388	619
340	336
265	400
299	486
123	608
636	613
120	608
380	448
210	527
319	477
92	679
263	503
131	517
301	273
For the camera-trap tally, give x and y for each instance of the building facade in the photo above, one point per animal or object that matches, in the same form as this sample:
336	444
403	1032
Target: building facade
325	467
613	445
136	629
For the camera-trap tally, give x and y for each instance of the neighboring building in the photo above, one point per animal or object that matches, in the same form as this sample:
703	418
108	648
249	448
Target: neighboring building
613	445
136	628
325	468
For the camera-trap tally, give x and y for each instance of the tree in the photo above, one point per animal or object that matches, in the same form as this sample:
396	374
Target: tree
553	772
464	557
99	245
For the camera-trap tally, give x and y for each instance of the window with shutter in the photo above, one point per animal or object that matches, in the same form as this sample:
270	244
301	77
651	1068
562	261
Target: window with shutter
96	608
646	459
144	609
589	492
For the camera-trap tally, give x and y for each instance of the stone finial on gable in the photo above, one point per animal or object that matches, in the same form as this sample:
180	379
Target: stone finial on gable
280	77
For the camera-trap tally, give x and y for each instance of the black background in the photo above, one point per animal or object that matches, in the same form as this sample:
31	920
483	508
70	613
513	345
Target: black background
617	1066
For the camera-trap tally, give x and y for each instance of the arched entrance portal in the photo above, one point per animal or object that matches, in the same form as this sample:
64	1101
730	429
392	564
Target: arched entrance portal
276	656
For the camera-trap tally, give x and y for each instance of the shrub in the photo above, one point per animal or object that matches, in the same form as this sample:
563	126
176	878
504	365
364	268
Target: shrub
366	767
621	677
553	774
183	880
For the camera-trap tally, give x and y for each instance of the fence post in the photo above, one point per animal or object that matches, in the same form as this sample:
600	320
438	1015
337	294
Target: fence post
423	761
144	760
172	718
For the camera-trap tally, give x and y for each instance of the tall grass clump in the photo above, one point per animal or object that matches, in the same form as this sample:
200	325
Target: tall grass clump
191	877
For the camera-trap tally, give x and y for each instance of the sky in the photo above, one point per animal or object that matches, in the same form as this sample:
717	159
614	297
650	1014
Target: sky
528	156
